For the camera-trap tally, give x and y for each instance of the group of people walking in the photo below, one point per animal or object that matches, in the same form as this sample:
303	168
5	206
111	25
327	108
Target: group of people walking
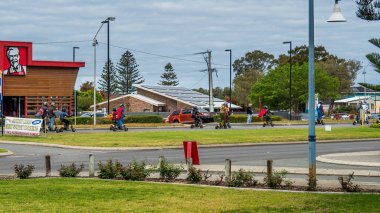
48	115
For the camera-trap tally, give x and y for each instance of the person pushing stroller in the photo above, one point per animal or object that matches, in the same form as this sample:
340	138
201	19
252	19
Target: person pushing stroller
66	123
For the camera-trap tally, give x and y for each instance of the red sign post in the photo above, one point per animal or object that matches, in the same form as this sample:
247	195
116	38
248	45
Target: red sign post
191	151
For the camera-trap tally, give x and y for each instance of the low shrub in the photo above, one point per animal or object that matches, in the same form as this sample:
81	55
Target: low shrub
109	170
278	177
194	175
70	171
169	171
242	178
376	125
22	171
135	171
347	185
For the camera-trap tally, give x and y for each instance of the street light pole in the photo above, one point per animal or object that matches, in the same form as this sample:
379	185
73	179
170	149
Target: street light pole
108	61
335	17
75	93
290	78
229	50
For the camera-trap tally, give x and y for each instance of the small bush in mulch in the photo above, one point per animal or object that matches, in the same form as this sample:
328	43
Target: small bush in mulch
22	171
194	175
135	171
71	170
347	185
109	170
277	179
242	178
168	171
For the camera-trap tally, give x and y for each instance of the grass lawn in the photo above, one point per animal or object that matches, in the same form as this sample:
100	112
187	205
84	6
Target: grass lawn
3	150
91	195
175	138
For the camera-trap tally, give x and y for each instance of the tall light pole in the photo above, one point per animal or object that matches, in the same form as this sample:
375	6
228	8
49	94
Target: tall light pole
229	50
75	93
290	78
335	17
108	60
94	43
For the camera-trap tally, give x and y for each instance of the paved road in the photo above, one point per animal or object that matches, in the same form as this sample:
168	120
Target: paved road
210	126
285	155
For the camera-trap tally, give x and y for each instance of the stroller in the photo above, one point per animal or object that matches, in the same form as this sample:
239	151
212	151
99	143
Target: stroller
319	114
358	117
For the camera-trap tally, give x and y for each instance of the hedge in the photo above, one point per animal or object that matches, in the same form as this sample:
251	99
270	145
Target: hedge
243	118
376	125
127	119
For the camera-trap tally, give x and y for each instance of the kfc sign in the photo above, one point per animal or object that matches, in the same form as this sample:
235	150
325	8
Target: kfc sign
15	61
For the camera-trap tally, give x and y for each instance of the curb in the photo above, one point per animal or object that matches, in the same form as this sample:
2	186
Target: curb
330	158
180	147
6	153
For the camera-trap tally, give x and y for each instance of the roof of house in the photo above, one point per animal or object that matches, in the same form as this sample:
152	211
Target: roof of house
184	95
353	99
137	96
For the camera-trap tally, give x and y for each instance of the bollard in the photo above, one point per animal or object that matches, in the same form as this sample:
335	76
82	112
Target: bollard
189	163
48	165
91	166
227	169
161	160
269	169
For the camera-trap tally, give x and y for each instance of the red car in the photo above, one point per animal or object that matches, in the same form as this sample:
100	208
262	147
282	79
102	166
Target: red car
184	116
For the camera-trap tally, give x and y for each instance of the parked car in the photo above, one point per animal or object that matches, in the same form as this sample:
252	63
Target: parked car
98	114
337	116
184	116
374	116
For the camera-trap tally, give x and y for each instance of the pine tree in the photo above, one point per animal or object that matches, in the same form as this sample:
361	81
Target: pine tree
370	10
128	74
103	82
169	77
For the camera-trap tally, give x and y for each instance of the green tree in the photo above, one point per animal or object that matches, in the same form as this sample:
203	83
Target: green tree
273	88
86	86
218	92
103	82
86	99
128	73
254	61
169	77
345	70
242	87
247	70
368	10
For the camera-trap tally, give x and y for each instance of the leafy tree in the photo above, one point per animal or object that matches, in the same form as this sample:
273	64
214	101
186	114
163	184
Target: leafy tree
273	88
103	82
247	70
368	10
86	99
345	70
86	86
128	74
169	77
242	87
254	61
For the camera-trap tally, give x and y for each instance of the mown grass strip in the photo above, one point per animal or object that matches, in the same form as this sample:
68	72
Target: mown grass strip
91	195
161	138
3	150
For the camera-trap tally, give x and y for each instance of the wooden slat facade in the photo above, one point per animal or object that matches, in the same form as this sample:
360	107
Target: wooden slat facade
41	81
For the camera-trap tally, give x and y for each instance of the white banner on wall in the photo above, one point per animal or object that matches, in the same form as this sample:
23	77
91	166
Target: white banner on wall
22	126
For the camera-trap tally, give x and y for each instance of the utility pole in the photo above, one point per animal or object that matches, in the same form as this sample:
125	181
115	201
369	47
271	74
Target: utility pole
210	86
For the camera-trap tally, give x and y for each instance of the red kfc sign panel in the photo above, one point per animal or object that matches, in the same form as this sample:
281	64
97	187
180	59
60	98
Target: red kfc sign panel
15	61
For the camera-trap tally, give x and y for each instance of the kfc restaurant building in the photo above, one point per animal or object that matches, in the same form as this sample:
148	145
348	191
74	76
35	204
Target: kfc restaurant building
27	83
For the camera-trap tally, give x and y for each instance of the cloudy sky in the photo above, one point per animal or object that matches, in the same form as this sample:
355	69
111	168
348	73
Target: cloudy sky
162	31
